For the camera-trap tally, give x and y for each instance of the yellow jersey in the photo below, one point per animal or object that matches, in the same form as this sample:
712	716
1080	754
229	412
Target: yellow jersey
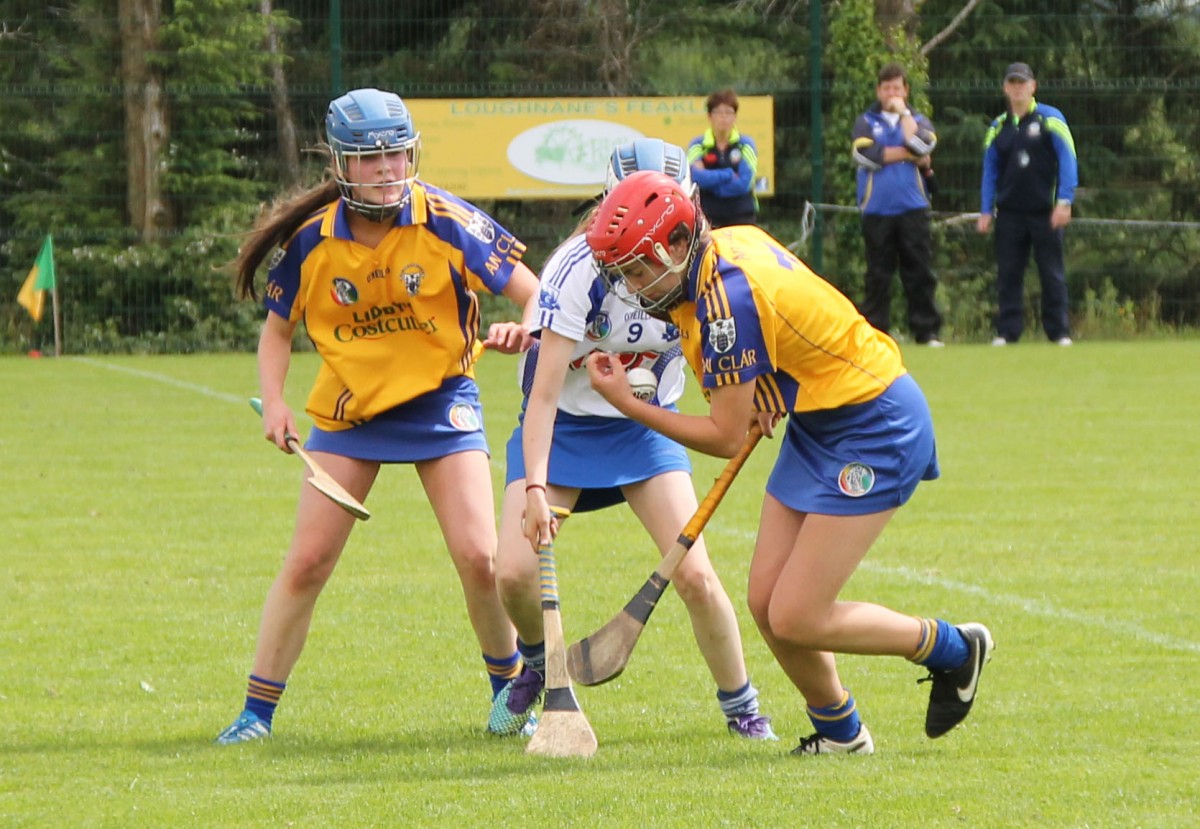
753	311
395	321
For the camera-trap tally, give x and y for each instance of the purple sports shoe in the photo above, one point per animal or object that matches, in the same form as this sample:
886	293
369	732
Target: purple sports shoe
752	727
512	709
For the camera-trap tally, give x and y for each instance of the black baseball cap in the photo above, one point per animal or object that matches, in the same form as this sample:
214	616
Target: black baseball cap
1018	72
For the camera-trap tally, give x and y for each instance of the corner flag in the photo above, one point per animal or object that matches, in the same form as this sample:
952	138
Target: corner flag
41	279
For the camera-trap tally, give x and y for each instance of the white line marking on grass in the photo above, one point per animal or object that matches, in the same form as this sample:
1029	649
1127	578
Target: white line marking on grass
1030	606
1038	608
496	459
164	378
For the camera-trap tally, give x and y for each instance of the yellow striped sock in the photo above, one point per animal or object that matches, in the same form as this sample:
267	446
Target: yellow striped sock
927	641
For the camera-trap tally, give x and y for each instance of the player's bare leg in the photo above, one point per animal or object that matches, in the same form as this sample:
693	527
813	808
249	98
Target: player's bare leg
664	504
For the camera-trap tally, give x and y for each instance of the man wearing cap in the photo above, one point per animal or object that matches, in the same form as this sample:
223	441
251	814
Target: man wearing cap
1029	179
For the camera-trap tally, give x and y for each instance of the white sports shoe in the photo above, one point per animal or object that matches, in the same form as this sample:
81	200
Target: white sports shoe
1064	341
248	726
935	343
998	341
816	744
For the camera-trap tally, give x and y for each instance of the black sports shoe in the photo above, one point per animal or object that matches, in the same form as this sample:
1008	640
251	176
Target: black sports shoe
954	691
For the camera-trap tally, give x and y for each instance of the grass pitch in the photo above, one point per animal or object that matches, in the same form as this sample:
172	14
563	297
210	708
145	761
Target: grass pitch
144	517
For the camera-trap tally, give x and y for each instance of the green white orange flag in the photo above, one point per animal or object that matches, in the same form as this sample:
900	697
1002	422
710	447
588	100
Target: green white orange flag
41	279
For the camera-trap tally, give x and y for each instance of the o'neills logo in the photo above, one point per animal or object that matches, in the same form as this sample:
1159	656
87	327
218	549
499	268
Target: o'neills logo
382	321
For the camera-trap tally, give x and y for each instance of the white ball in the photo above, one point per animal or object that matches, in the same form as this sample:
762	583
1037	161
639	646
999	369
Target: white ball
643	382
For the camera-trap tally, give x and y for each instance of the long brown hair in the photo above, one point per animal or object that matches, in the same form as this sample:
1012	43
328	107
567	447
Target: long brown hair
274	226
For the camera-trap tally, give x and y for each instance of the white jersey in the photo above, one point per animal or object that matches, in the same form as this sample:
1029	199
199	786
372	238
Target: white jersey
574	302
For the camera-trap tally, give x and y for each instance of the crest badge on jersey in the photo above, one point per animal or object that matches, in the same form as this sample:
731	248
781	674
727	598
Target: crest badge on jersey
856	479
722	334
462	417
413	275
276	258
599	328
548	299
480	226
343	291
1035	129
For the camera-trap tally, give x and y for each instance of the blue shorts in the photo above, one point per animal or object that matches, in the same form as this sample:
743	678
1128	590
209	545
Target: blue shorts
438	423
599	455
858	459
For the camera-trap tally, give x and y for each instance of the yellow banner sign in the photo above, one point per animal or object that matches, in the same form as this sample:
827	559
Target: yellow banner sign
558	148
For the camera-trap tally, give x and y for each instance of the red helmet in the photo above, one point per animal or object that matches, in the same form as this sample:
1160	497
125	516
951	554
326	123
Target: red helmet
633	230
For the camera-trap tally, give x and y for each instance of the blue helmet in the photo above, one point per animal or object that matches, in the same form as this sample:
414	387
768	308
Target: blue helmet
652	154
371	122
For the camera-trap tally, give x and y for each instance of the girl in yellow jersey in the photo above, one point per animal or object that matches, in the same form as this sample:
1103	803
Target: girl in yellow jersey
384	271
769	338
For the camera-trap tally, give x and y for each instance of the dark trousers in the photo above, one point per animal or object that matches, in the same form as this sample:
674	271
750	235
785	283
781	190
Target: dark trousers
1015	234
900	242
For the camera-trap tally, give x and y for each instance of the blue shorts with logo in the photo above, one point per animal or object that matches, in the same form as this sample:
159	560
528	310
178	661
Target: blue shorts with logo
599	455
858	459
438	423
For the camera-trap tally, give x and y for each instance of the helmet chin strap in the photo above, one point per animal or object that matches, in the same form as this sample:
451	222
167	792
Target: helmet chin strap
661	311
369	210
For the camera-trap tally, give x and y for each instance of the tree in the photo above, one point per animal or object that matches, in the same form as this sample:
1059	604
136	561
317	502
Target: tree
285	121
147	122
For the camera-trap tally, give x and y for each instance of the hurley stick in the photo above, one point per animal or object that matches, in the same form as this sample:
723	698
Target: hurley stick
563	730
321	480
602	656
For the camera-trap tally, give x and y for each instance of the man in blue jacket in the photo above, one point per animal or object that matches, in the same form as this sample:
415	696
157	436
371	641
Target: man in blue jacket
892	146
725	165
1029	178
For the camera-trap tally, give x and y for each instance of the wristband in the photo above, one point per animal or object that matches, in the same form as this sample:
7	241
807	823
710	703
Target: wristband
534	486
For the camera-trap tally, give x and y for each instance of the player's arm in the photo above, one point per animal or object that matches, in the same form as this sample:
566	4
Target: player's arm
274	358
721	432
514	337
521	287
553	359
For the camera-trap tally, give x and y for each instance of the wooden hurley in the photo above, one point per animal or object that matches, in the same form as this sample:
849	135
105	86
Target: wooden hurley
321	480
602	656
563	730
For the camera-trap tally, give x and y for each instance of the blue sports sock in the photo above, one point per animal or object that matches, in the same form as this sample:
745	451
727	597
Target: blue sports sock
942	647
262	696
501	671
838	722
534	655
739	703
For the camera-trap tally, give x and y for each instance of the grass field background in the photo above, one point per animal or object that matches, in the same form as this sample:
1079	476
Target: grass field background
144	517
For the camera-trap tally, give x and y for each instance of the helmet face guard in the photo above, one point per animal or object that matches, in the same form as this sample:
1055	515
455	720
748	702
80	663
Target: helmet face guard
633	232
364	128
